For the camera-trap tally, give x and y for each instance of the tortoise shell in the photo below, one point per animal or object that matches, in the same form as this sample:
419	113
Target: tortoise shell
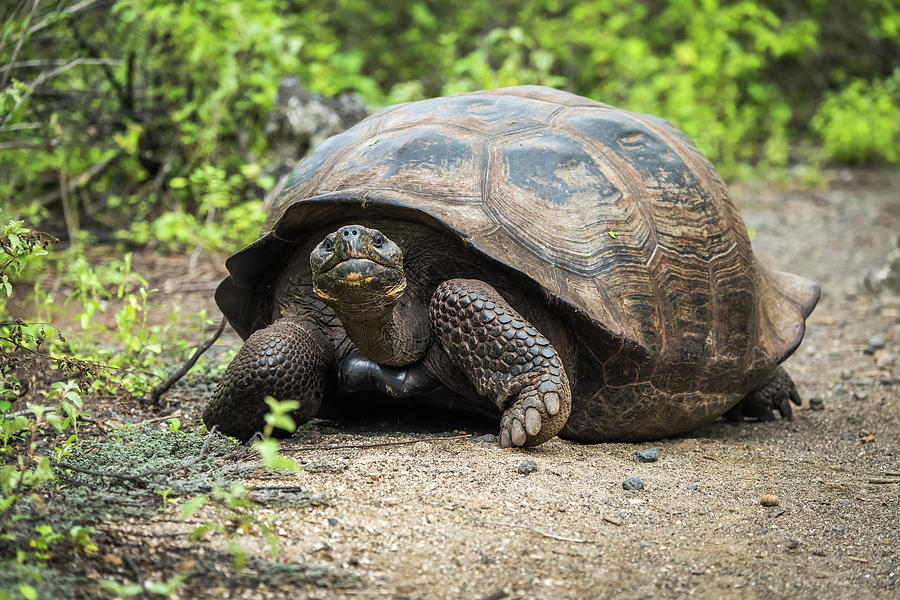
620	219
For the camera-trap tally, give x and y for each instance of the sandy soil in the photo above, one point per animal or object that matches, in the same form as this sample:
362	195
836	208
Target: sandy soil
456	518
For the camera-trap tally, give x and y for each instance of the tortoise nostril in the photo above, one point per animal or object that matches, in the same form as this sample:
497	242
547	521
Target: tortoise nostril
354	232
346	233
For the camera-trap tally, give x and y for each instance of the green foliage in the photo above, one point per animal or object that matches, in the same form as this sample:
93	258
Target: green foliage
278	417
158	118
861	122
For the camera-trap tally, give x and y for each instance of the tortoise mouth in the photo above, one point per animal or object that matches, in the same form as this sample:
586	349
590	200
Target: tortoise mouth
357	271
359	279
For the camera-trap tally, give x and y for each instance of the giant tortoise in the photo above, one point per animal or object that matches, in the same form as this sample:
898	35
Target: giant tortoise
563	265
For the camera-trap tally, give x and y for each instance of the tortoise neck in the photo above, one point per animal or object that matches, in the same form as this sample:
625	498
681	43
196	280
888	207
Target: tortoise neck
394	335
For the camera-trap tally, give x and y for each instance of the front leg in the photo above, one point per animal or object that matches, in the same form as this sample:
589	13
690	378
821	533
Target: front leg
505	358
288	360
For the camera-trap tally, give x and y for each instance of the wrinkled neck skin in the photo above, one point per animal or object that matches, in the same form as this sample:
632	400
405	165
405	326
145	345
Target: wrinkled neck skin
396	334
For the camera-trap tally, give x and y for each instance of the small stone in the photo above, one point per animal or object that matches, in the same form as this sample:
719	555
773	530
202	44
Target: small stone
792	544
332	521
488	438
527	467
633	484
860	395
876	342
885	360
864	381
769	500
692	487
816	403
846	374
887	380
647	455
840	391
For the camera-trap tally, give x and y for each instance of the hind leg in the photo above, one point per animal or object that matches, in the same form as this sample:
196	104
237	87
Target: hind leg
776	393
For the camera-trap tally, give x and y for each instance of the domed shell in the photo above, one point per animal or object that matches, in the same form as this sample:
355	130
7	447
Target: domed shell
617	215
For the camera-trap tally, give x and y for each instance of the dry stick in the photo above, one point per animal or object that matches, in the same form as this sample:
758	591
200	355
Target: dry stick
539	532
5	79
145	474
162	388
137	574
378	445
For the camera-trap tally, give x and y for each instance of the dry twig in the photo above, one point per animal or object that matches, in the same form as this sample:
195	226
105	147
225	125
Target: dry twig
162	388
552	536
378	445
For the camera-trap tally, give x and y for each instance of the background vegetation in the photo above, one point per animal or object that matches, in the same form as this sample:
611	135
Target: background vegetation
115	112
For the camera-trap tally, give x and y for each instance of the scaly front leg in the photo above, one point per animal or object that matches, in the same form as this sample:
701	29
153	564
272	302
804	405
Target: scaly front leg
505	358
288	360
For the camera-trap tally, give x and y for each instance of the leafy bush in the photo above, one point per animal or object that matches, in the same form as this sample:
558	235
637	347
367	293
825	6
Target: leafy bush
861	123
100	126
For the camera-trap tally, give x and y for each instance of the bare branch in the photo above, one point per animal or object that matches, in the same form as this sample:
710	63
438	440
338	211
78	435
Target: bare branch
50	62
162	388
5	79
66	11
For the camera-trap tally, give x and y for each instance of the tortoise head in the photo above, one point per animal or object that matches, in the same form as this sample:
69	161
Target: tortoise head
357	268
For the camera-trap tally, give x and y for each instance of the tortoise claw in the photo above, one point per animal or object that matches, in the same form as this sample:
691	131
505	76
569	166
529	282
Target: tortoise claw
776	394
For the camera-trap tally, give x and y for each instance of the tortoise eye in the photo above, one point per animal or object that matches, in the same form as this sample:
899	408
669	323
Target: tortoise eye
377	240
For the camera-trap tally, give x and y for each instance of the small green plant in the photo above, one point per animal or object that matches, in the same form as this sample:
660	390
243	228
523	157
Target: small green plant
165	496
159	588
278	417
242	517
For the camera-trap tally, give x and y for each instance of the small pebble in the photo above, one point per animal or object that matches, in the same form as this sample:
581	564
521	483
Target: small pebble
769	500
816	403
840	390
864	381
887	380
846	373
527	467
860	395
876	342
885	360
332	521
792	544
633	484
488	438
647	455
693	486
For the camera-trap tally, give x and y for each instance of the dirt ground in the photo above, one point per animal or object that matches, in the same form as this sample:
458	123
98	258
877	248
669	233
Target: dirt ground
458	518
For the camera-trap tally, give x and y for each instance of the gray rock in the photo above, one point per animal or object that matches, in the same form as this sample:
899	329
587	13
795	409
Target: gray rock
488	438
527	467
300	120
860	395
885	278
633	484
875	343
840	391
647	455
885	360
816	403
